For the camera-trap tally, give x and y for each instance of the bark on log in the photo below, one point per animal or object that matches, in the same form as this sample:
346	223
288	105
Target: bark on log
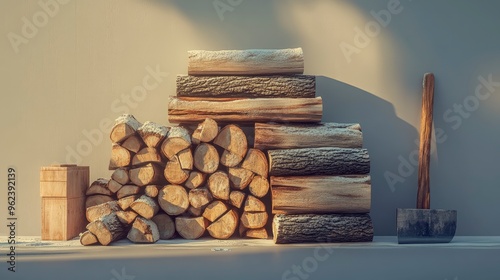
152	133
218	184
126	201
322	228
173	199
321	194
258	233
147	155
238	110
240	177
150	174
292	136
195	180
128	190
200	197
120	157
205	132
246	62
145	206
291	86
253	204
88	238
94	200
254	219
120	175
236	198
107	229
94	213
177	139
190	228
124	127
126	217
259	186
206	158
166	226
231	138
174	173
99	186
143	231
224	227
133	143
318	161
256	161
214	210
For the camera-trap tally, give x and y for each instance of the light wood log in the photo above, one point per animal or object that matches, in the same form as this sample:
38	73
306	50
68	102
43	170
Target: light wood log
146	155
128	190
190	228
240	110
120	157
240	177
321	194
133	143
177	139
236	198
229	159
200	197
254	219
256	161
125	126
88	238
224	227
258	233
99	186
246	62
233	139
292	136
173	199
214	210
218	184
195	212
114	186
94	200
120	175
205	132
107	229
195	180
165	224
126	217
152	133
185	158
143	231
126	201
206	158
94	213
174	173
145	206
247	86
318	161
152	190
241	230
308	228
253	204
259	186
150	174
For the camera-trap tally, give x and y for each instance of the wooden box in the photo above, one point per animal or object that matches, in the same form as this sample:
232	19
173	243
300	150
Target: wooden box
62	189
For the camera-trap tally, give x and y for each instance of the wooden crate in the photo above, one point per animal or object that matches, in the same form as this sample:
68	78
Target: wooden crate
62	189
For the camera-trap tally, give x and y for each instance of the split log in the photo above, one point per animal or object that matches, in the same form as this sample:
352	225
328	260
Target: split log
145	206
126	201
152	133
293	136
206	158
178	139
322	228
174	173
114	186
120	157
120	175
241	110
173	199
152	190
190	228
253	204
224	227
150	174
128	190
256	162
218	184
195	180
195	212
259	186
247	86
241	230
246	62
240	177
234	140
124	127
99	186
126	217
321	194
94	200
88	238
133	143
200	197
318	161
107	229
258	233
254	219
236	198
214	210
205	132
94	213
146	155
166	226
185	158
143	231
230	159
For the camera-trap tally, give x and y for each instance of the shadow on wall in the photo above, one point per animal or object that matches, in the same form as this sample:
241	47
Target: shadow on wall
386	137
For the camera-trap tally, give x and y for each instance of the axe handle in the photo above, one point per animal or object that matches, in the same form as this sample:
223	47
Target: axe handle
423	193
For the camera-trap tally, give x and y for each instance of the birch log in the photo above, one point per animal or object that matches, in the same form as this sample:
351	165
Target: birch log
247	86
291	136
238	110
322	228
318	161
246	62
321	194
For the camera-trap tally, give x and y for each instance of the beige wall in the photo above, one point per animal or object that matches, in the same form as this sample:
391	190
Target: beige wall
85	64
